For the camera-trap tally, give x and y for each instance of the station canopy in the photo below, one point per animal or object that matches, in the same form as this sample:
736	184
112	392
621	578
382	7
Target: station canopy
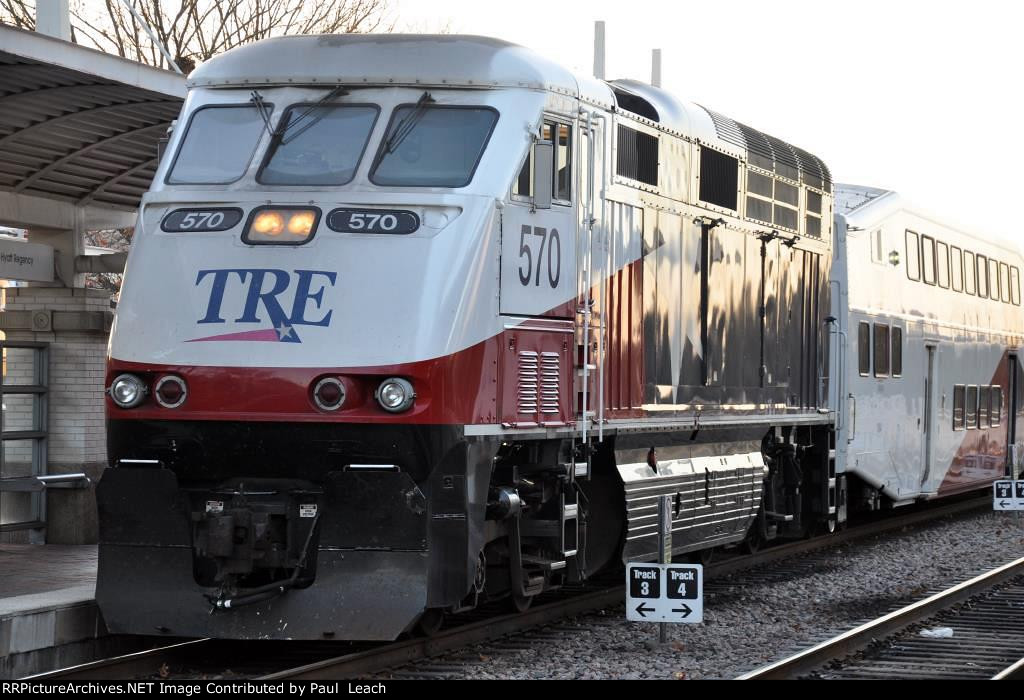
77	125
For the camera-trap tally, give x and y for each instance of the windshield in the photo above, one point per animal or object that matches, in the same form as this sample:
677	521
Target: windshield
319	146
441	148
217	146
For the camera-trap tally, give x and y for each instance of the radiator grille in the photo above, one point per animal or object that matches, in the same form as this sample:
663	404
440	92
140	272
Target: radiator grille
539	383
529	376
549	371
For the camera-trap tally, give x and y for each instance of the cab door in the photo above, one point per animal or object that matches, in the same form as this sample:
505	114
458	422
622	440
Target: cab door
537	290
538	244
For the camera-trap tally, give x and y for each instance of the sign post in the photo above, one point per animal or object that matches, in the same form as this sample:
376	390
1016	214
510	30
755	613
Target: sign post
664	549
665	592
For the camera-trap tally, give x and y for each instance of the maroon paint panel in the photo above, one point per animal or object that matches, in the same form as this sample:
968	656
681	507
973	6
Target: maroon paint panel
464	388
521	379
624	380
461	388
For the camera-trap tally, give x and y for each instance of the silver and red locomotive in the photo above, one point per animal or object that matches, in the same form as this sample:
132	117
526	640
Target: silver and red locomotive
413	322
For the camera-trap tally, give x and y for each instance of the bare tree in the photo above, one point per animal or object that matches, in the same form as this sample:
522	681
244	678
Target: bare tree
119	239
194	30
18	13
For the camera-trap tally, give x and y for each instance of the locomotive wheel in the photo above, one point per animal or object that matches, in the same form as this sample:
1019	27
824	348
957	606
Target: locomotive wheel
521	603
430	622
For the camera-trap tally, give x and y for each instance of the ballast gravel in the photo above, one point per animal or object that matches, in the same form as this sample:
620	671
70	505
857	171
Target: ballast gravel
752	617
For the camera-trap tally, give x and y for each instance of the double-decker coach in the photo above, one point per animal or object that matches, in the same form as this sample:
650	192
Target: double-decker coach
932	385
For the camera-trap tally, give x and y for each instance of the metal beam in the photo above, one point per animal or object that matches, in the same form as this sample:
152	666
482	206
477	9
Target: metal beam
117	178
54	52
83	114
30	211
40	174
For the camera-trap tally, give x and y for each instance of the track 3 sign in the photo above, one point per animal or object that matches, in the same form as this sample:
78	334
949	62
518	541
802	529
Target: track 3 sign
665	593
1008	495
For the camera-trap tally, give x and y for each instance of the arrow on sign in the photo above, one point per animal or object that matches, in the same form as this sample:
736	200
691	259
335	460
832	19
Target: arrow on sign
641	609
685	610
1003	504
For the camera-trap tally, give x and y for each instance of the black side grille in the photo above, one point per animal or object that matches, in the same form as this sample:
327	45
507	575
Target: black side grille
637	156
719	175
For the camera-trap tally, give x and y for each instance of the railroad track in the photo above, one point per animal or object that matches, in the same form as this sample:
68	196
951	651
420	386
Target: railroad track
276	660
984	617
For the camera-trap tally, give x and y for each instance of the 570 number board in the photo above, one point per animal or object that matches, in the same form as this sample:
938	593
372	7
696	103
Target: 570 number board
394	221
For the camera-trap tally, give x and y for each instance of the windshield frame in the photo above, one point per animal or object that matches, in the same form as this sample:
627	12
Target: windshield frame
184	139
392	124
280	134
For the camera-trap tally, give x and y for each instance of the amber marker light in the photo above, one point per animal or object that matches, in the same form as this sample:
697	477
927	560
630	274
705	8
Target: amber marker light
268	223
301	223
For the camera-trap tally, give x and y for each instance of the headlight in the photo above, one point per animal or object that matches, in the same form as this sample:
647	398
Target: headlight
395	395
282	225
127	391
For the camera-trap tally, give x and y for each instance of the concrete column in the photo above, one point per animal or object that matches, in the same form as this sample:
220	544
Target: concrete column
76	324
53	18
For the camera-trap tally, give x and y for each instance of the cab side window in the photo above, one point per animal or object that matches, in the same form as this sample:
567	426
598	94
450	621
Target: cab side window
560	135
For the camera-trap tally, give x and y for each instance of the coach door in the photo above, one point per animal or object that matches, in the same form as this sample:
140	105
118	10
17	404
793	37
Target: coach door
928	415
1014	419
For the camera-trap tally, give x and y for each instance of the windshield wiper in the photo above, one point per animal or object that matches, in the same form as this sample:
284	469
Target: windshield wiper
282	130
257	99
408	123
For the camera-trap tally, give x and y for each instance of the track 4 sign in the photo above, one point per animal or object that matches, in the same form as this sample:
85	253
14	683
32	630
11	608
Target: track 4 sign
665	593
1008	495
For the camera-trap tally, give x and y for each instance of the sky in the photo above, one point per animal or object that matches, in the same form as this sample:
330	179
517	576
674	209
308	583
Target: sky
921	97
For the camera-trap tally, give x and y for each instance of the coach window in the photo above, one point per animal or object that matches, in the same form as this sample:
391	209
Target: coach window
1015	285
956	259
997	406
928	259
958	407
881	350
983	277
971	407
1004	282
993	279
876	247
983	406
864	349
897	351
969	273
942	260
913	257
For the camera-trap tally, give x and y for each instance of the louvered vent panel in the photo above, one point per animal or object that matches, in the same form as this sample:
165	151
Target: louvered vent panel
529	381
549	371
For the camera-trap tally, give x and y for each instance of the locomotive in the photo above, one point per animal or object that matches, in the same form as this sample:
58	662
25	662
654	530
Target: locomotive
413	322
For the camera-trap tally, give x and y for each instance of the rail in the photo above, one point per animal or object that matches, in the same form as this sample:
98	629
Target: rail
861	637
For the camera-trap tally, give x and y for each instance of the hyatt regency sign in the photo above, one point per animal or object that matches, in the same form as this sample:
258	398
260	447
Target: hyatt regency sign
32	262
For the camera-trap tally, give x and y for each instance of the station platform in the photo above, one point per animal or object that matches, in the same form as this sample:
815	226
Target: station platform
48	613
